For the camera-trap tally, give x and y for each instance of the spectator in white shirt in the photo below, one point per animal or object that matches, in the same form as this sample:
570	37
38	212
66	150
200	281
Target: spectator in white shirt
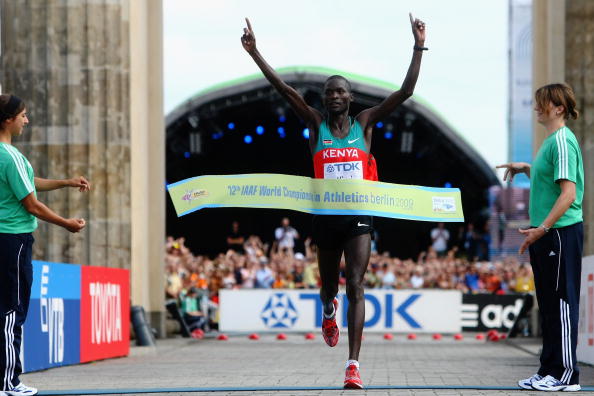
416	281
264	276
285	237
440	237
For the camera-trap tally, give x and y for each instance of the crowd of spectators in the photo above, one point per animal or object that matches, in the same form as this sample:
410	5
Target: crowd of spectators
249	263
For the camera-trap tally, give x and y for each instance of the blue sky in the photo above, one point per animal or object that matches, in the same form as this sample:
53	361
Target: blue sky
463	75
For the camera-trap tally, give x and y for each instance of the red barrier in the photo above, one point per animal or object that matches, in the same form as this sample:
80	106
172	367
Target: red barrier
105	313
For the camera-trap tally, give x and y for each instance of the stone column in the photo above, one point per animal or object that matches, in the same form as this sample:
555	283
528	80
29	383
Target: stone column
579	73
69	61
548	54
91	74
148	159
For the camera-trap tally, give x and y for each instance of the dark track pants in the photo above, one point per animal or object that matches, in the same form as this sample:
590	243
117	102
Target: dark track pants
16	277
556	260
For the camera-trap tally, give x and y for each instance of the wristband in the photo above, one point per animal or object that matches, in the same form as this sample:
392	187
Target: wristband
417	48
545	228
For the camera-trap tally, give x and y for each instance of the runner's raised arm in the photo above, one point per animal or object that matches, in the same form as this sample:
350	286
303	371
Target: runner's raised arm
308	114
367	118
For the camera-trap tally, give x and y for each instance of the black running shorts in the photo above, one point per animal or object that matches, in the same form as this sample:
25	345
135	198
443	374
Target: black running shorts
331	232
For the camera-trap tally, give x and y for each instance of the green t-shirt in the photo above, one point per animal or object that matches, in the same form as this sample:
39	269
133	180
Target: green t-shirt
189	304
559	158
16	182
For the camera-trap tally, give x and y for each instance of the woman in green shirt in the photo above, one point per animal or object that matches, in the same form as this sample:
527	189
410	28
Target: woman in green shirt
19	211
555	238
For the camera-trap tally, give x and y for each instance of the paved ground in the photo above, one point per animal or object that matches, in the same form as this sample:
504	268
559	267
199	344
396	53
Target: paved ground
296	362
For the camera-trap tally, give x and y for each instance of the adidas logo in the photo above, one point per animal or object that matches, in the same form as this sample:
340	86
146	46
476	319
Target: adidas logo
551	254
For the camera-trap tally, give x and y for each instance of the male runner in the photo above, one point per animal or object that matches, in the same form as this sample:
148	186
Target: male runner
340	147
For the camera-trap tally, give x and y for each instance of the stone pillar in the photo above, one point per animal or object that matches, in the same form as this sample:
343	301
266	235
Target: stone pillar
548	54
69	61
579	73
91	75
148	159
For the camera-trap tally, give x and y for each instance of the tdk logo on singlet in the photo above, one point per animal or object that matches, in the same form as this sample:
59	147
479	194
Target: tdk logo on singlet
344	166
344	170
340	153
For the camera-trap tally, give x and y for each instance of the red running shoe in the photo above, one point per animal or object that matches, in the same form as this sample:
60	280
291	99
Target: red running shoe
352	379
330	330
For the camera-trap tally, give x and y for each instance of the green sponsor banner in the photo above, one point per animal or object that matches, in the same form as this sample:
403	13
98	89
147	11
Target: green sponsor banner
317	196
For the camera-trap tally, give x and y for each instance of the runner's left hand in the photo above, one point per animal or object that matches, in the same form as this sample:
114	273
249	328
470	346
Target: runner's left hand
418	29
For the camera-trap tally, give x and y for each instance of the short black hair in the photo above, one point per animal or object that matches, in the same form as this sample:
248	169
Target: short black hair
339	77
10	107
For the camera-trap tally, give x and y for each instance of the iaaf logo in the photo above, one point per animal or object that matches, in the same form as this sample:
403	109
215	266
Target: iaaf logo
194	194
444	204
106	315
52	319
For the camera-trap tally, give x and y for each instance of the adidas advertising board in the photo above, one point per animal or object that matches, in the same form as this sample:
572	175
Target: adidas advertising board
481	312
421	311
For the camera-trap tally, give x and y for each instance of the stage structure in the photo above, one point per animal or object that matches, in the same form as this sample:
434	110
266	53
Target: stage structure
244	126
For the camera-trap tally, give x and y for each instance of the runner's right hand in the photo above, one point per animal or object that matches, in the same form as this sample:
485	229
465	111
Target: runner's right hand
248	40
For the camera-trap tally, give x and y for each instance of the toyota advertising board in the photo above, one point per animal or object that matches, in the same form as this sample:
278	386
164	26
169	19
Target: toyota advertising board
301	310
105	313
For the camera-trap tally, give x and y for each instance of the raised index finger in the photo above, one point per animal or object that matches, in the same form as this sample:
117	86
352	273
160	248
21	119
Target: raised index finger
249	25
412	20
502	166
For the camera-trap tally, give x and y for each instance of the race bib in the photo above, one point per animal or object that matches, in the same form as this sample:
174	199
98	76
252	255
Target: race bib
344	170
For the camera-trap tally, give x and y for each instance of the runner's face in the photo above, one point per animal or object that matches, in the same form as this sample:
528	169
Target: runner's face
336	96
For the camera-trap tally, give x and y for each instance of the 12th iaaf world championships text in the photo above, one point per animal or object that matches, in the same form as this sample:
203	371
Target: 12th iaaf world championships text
335	197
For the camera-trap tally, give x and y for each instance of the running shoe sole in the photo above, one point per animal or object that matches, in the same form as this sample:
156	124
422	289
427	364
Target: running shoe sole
559	388
352	385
